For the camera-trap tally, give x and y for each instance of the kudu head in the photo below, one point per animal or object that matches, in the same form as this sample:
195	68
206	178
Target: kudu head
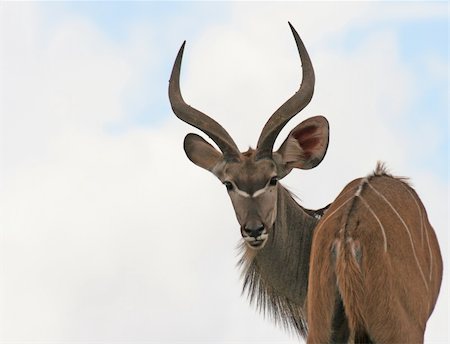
251	177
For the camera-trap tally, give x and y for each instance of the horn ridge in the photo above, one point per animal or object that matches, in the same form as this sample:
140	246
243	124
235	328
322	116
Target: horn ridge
292	106
197	118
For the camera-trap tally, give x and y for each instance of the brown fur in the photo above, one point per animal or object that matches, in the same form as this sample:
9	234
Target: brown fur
386	296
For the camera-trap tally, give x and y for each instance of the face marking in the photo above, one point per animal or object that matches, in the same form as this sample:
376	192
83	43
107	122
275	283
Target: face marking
254	194
260	191
242	193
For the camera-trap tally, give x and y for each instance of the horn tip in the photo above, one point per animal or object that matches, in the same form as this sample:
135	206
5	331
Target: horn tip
182	47
177	64
294	31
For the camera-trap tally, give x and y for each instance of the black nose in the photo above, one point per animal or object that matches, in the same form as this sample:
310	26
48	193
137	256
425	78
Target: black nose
254	232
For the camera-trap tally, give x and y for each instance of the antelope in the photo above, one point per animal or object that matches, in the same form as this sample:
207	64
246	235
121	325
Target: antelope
366	268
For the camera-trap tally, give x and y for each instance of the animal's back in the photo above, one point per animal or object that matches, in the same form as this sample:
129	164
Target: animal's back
376	245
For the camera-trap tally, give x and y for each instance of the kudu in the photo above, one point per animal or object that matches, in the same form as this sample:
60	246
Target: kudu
367	268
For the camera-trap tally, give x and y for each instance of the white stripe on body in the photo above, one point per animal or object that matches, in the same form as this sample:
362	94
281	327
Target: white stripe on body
407	231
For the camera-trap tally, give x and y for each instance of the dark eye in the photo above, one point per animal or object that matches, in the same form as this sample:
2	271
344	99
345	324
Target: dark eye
228	185
273	181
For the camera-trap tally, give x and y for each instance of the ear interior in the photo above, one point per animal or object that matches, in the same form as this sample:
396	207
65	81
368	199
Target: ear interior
201	152
305	146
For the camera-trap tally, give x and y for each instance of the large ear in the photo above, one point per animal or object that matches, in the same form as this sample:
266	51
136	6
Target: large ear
304	147
201	152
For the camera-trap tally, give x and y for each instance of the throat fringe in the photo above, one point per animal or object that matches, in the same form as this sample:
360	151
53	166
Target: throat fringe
268	301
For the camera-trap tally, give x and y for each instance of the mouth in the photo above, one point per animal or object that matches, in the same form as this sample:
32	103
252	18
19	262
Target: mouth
256	243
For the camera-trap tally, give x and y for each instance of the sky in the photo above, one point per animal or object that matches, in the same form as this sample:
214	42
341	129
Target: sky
108	234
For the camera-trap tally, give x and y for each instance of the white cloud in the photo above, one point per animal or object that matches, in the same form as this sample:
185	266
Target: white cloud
121	237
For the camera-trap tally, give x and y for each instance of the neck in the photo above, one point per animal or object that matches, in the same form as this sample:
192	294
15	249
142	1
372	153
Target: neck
276	277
